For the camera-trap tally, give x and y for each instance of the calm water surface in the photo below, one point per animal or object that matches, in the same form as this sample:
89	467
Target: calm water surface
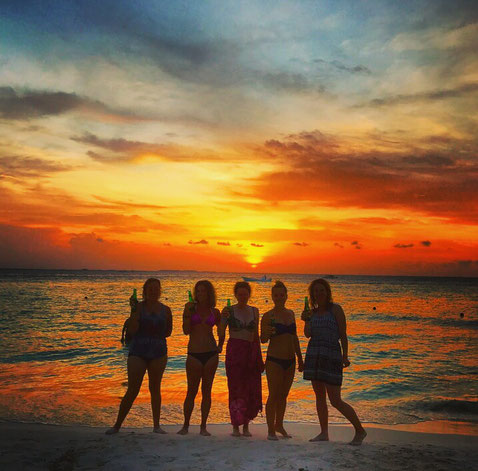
413	357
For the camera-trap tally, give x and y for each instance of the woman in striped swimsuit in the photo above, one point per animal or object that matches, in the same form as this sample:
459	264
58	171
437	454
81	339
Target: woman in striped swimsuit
325	325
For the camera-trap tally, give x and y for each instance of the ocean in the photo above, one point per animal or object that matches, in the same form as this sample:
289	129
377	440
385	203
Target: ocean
412	341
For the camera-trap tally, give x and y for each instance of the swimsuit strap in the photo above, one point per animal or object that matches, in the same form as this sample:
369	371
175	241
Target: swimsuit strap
239	324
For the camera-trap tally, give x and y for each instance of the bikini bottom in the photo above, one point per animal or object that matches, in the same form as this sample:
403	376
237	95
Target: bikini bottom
203	357
285	363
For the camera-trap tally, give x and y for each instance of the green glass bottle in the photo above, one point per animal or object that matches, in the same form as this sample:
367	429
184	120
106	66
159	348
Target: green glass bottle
229	310
133	301
306	313
273	323
190	297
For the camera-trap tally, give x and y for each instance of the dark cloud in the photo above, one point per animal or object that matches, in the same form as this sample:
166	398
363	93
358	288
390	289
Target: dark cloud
433	95
17	166
426	243
403	246
256	245
317	168
336	244
357	69
202	241
124	150
31	104
301	244
118	145
227	244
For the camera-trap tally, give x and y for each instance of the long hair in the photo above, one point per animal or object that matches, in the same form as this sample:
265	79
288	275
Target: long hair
147	282
313	301
211	292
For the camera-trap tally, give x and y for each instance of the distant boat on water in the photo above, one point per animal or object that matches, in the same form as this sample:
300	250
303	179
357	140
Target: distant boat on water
264	279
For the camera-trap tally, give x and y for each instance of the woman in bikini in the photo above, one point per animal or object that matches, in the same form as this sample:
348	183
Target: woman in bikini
279	329
325	358
149	325
199	318
244	364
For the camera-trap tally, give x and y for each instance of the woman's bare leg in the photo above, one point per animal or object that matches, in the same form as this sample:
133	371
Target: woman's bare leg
136	369
155	372
275	380
348	412
193	373
288	378
322	411
209	371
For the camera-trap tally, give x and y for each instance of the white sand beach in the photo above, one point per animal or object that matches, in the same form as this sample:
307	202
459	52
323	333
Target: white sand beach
60	448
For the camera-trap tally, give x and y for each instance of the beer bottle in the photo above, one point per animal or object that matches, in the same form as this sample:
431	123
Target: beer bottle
306	312
133	301
273	324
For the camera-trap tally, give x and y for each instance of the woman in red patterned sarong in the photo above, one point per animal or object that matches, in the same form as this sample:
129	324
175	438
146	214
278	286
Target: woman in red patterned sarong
244	364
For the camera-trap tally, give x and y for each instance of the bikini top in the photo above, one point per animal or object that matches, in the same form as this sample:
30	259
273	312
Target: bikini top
196	319
237	324
285	329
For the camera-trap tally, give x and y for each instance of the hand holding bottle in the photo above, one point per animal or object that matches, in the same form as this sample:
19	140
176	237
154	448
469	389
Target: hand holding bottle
272	326
226	312
133	301
306	313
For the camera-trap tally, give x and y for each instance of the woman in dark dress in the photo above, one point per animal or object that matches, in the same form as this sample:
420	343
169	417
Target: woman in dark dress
327	354
149	325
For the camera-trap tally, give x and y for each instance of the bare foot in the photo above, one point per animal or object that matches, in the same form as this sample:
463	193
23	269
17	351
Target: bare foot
184	431
272	437
246	432
204	432
283	432
236	432
112	431
158	429
321	437
359	438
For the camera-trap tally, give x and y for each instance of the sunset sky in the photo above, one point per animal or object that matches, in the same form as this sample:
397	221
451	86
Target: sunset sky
270	136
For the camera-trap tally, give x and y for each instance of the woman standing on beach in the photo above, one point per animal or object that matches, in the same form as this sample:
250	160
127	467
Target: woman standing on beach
278	326
199	318
150	323
244	363
325	325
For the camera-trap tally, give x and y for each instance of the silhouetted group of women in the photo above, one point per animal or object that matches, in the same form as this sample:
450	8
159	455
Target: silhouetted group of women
150	324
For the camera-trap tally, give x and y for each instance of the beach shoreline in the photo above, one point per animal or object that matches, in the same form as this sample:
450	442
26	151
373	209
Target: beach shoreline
59	447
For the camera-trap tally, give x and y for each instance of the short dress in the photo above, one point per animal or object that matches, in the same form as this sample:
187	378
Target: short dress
149	342
323	359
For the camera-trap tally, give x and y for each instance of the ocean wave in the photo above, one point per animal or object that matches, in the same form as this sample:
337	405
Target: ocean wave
46	355
373	338
456	322
450	406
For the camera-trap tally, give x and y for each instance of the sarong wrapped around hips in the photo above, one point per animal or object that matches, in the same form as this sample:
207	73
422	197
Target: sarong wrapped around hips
244	366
